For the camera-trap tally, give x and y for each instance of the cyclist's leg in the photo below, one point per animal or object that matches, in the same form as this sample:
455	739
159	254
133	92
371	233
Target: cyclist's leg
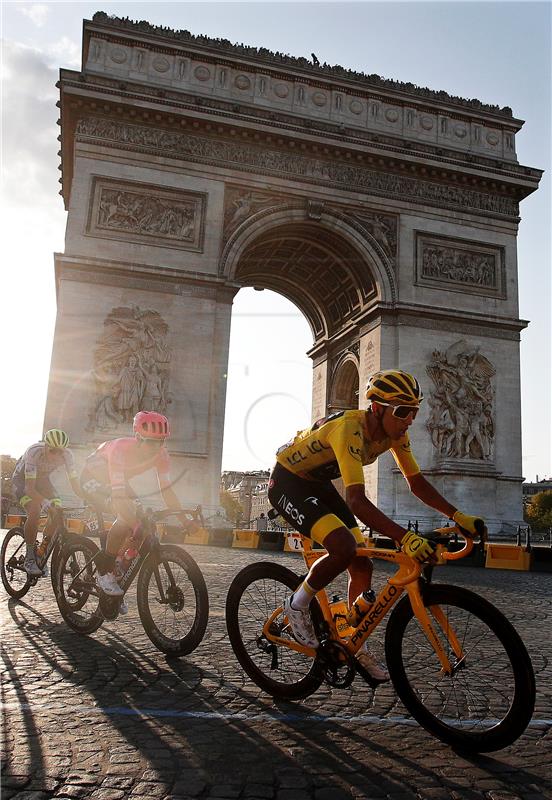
125	522
360	567
32	508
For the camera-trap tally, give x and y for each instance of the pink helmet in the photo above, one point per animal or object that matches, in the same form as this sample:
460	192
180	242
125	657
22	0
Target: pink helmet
151	425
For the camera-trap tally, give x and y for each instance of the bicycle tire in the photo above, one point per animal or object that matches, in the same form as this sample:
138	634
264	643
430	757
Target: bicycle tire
470	710
273	583
179	597
4	550
71	607
54	564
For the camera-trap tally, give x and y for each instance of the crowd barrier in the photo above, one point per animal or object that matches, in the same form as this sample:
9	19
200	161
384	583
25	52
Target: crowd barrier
507	556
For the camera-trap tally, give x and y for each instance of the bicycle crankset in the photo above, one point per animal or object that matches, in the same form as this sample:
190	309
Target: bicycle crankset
338	666
109	606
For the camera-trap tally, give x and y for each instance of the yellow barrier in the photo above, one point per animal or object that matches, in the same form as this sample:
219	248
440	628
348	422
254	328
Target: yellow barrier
18	520
507	556
245	538
14	520
201	536
75	526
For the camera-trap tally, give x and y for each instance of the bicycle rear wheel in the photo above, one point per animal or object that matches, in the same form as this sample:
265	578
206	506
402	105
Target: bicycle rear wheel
12	555
488	701
254	594
172	599
75	586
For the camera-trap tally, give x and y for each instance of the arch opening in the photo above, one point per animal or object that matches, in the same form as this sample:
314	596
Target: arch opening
314	267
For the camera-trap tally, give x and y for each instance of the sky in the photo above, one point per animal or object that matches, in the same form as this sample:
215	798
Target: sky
497	52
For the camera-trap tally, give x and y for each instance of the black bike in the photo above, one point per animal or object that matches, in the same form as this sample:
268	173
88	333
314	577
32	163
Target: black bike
12	554
172	597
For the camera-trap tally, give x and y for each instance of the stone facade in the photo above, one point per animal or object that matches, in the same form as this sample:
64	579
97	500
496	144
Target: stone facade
388	213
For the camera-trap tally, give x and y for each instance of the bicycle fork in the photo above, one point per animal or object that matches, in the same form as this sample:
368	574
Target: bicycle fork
423	617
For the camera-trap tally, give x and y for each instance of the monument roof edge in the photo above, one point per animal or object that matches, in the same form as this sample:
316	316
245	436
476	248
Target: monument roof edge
261	55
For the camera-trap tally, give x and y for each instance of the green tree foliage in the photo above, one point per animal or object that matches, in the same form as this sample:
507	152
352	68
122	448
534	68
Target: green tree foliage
538	512
233	509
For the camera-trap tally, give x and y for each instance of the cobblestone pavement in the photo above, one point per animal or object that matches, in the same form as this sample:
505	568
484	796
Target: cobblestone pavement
109	717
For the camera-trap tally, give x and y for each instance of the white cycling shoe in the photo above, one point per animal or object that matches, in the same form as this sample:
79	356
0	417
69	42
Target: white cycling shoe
123	607
108	584
372	666
301	624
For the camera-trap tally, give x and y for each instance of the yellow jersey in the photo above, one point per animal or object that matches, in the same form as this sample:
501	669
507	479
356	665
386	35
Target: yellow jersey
338	446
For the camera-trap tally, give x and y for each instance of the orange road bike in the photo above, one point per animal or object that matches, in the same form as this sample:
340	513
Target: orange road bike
456	662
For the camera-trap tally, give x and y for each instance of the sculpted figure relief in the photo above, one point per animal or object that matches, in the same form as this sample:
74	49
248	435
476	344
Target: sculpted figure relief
459	265
461	420
131	368
143	214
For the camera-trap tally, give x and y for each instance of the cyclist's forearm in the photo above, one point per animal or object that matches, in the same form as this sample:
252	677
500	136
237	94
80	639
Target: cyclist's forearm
425	492
371	516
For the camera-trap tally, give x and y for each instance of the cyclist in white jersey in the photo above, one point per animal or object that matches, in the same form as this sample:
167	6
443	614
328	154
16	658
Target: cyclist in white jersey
33	488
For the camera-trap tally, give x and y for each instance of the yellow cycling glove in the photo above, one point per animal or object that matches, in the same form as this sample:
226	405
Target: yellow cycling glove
473	525
417	547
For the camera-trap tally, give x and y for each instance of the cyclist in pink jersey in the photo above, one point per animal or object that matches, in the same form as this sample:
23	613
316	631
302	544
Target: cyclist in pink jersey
105	478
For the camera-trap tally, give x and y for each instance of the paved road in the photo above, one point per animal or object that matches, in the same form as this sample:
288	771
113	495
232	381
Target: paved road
108	717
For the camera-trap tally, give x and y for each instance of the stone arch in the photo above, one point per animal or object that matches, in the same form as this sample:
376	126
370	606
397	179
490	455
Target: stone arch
352	275
345	384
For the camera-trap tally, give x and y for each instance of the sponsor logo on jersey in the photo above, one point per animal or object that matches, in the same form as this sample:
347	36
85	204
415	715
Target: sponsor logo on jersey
355	452
313	500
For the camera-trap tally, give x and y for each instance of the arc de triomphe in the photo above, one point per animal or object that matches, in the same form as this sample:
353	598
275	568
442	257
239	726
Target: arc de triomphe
387	213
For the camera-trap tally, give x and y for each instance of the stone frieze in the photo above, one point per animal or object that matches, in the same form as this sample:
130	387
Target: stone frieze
303	168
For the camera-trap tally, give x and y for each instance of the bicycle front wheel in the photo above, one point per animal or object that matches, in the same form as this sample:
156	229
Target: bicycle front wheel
254	594
488	701
173	602
75	586
12	556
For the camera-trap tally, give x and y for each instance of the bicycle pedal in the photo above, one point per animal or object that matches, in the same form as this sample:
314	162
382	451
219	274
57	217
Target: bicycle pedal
373	683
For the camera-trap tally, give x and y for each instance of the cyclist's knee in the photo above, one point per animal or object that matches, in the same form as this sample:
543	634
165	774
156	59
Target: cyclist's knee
341	546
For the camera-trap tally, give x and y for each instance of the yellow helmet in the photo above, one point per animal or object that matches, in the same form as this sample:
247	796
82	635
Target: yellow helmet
394	385
56	438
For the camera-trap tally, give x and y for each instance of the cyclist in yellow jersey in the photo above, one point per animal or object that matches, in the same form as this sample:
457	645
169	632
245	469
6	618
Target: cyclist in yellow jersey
300	489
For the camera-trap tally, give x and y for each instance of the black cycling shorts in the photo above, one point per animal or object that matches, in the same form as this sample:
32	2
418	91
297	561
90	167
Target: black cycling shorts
314	508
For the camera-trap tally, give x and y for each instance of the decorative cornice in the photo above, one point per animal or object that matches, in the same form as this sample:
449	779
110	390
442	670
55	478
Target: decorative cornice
306	169
178	100
282	59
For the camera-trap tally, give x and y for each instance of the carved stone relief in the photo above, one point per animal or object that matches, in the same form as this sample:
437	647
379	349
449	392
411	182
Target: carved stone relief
461	422
469	266
383	228
131	368
301	167
240	203
138	213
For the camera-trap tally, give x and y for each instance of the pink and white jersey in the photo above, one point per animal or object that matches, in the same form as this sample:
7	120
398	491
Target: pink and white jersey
116	461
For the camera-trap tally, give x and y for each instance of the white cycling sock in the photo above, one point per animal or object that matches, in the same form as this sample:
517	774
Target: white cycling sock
300	599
